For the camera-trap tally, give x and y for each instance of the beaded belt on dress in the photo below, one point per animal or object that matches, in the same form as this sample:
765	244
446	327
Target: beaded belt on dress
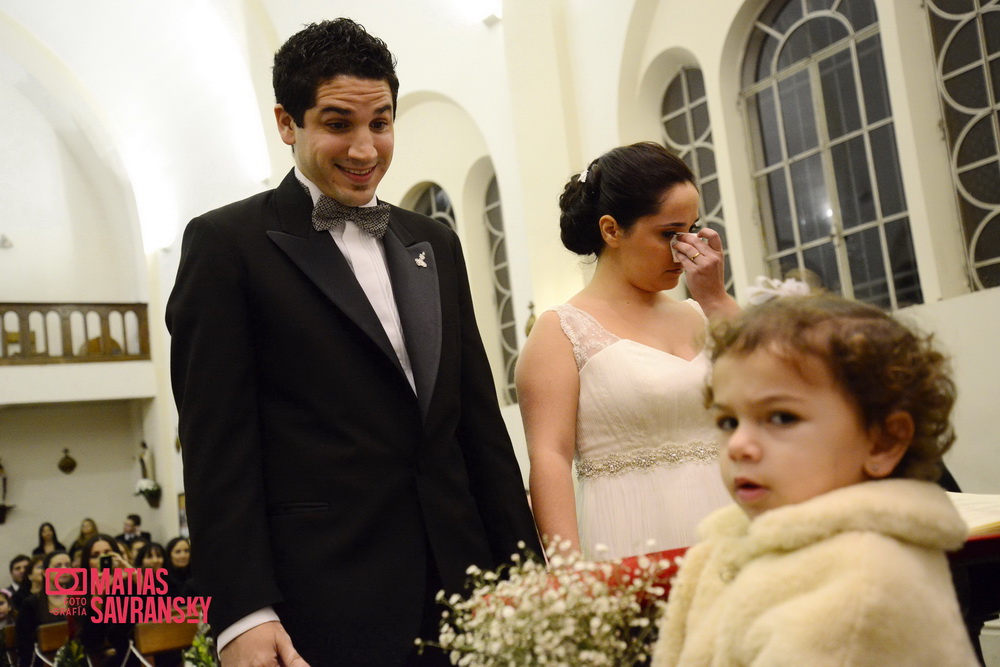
644	459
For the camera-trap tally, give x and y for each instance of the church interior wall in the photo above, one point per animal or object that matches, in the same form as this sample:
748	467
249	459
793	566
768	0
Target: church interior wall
103	437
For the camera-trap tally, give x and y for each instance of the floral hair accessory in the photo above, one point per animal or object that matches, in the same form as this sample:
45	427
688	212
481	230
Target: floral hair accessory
583	175
766	289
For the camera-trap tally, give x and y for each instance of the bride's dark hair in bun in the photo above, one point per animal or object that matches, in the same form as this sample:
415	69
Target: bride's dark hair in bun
627	183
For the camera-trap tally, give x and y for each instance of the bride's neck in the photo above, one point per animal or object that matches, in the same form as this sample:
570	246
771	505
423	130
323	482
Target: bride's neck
609	284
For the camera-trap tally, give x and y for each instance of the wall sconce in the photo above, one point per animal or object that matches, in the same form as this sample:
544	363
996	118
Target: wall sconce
67	463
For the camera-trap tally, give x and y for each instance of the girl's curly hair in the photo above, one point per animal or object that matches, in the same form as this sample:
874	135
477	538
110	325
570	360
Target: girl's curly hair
881	364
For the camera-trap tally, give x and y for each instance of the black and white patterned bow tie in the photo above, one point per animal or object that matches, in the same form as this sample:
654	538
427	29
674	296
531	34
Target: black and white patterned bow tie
328	213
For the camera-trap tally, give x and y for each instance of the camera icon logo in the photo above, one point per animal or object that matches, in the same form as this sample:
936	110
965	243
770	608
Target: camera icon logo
76	581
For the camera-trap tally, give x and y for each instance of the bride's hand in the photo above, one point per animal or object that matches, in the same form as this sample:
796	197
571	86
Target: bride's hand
704	269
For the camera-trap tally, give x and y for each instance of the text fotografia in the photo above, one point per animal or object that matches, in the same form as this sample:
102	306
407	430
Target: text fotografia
123	595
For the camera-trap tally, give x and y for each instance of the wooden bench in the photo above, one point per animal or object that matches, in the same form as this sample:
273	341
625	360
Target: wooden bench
10	644
152	638
50	638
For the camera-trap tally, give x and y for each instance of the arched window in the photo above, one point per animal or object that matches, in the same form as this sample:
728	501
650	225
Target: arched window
688	133
435	203
967	44
493	221
824	151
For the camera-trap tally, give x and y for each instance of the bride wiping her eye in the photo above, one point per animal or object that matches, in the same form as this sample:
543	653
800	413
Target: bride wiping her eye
613	379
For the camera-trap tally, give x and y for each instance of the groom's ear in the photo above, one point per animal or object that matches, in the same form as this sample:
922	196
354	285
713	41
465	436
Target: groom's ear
611	232
286	124
890	440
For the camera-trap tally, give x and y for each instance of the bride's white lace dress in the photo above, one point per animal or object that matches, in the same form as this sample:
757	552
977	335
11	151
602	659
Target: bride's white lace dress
646	449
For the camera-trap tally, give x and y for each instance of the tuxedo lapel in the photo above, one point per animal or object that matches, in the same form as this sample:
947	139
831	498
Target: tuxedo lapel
318	257
323	263
414	276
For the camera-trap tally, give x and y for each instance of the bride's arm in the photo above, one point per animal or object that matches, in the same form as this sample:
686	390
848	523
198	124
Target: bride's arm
548	388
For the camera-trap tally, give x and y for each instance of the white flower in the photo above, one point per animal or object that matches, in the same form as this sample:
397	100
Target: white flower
420	260
766	289
146	484
147	487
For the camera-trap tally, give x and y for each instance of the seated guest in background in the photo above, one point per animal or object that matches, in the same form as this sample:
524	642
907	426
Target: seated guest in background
153	557
135	546
39	608
18	573
7	611
34	578
87	530
47	540
150	556
178	565
132	530
104	643
125	549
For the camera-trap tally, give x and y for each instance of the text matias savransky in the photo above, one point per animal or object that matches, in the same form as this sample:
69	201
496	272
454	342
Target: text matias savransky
124	595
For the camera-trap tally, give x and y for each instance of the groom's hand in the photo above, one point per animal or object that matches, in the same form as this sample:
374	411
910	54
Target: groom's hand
266	645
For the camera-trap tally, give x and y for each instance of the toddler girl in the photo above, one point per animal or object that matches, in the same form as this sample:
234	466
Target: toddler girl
834	418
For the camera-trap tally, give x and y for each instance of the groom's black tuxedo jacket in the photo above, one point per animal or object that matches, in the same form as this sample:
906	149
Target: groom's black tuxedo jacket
316	481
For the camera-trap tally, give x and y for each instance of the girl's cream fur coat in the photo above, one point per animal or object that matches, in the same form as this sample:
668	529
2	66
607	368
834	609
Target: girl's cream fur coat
857	576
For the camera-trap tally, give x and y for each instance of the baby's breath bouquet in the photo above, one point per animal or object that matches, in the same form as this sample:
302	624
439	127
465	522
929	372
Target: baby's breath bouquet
573	612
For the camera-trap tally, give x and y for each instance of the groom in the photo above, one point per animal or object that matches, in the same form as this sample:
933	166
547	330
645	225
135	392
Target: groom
344	455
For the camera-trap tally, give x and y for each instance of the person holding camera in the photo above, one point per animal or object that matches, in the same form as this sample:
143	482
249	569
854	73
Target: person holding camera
105	643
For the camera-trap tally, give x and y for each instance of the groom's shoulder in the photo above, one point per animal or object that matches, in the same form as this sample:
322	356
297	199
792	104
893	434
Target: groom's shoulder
237	210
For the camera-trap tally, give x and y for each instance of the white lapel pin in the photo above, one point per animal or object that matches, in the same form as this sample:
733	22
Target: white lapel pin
419	261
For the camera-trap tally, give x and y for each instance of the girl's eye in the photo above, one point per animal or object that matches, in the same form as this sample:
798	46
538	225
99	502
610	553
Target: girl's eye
782	418
726	423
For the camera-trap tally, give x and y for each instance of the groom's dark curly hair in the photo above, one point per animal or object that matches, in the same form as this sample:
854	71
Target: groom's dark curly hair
321	51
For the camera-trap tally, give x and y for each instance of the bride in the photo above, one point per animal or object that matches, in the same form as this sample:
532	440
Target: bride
614	379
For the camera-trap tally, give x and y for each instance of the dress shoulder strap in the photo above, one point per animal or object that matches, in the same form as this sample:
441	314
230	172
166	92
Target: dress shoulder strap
584	332
698	309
